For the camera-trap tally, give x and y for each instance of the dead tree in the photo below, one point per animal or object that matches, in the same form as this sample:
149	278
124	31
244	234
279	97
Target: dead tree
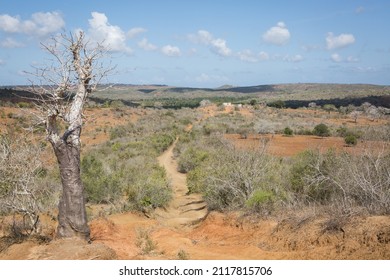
74	72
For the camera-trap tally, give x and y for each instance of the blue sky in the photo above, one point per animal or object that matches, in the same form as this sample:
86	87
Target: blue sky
204	43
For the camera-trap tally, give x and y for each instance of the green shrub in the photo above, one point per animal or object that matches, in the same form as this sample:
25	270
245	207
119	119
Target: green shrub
277	104
196	180
321	130
150	189
288	131
261	200
100	186
161	141
190	159
25	105
350	140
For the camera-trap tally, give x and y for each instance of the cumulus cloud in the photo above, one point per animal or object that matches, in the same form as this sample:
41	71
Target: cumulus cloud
10	43
40	24
135	31
145	45
249	56
169	50
337	42
111	36
217	45
10	24
277	35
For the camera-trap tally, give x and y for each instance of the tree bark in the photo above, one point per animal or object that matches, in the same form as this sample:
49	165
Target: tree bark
72	217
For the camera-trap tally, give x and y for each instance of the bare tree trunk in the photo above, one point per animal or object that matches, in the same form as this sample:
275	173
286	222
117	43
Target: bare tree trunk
72	217
74	75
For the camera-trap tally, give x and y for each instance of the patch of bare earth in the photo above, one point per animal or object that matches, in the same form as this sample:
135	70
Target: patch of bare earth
230	236
280	145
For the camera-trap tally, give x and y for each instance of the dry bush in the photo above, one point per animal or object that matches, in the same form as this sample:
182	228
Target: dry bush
345	183
20	194
234	179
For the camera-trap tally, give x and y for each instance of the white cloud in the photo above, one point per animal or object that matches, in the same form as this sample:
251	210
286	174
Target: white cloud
40	24
10	43
277	35
145	45
135	31
336	57
338	42
201	37
249	56
10	24
2	62
220	47
217	45
111	36
294	58
169	50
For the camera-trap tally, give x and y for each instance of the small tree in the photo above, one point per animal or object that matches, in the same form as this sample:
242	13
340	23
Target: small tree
321	130
329	108
65	85
355	115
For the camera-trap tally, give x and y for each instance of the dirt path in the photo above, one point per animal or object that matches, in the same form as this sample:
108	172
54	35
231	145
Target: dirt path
185	209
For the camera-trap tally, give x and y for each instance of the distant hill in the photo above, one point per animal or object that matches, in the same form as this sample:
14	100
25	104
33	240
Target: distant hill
294	95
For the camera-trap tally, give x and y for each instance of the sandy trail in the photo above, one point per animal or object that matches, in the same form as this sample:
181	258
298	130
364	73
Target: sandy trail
185	209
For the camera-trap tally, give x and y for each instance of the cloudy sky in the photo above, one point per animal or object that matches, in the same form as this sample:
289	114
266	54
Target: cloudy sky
204	43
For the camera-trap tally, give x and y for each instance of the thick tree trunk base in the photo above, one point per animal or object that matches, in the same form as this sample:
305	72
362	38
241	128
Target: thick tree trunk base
72	216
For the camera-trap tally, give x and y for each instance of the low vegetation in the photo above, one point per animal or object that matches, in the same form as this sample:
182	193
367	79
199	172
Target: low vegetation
123	174
251	179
